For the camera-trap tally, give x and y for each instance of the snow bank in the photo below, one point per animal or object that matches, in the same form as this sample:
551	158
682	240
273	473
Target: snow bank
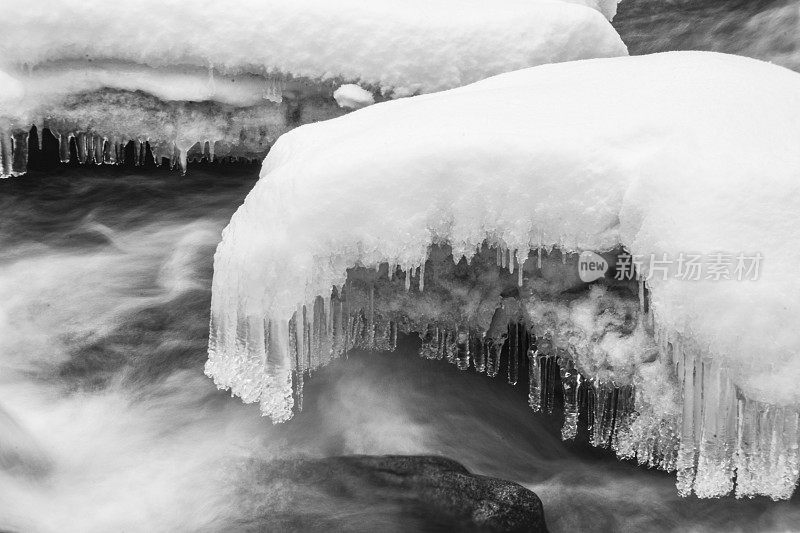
148	72
416	46
670	154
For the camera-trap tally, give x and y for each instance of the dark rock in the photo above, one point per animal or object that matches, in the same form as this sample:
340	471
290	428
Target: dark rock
388	493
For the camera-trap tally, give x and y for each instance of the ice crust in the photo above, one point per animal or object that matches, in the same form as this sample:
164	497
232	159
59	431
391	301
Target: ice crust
673	153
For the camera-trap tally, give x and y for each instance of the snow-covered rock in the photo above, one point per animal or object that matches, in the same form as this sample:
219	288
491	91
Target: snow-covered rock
189	77
665	155
415	46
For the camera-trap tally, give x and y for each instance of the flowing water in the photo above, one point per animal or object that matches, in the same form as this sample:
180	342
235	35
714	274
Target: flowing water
108	423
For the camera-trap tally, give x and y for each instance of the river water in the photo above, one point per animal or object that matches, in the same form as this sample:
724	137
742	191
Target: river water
108	422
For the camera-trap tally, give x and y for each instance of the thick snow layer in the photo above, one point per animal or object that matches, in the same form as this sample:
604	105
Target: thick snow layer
414	46
235	79
672	153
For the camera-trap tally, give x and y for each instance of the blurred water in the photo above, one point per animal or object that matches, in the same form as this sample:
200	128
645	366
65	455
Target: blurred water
107	422
763	29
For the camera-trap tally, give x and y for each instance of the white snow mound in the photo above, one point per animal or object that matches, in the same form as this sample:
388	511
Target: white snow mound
414	46
673	153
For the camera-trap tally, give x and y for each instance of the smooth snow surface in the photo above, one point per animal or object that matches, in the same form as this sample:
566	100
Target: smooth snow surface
673	153
416	46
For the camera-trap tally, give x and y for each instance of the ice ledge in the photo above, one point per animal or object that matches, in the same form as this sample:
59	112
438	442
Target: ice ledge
657	154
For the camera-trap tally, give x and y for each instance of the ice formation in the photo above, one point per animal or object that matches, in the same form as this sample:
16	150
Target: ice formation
213	81
459	215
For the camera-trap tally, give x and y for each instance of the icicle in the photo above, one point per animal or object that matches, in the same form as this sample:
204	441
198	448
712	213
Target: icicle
622	441
513	352
99	144
63	147
539	257
547	365
109	156
301	362
317	333
687	454
137	149
182	162
370	325
408	279
19	148
641	300
421	273
462	348
534	378
296	357
6	154
337	325
82	148
714	476
603	415
142	152
273	90
450	346
347	320
89	137
570	382
478	354
492	350
519	273
441	348
430	342
511	259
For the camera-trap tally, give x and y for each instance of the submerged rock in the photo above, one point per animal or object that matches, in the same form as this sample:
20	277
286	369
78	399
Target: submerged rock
390	493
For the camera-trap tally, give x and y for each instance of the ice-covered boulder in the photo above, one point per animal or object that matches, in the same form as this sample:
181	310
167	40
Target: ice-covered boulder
669	156
238	76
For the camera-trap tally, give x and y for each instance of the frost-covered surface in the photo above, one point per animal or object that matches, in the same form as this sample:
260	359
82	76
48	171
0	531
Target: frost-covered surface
232	80
665	154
